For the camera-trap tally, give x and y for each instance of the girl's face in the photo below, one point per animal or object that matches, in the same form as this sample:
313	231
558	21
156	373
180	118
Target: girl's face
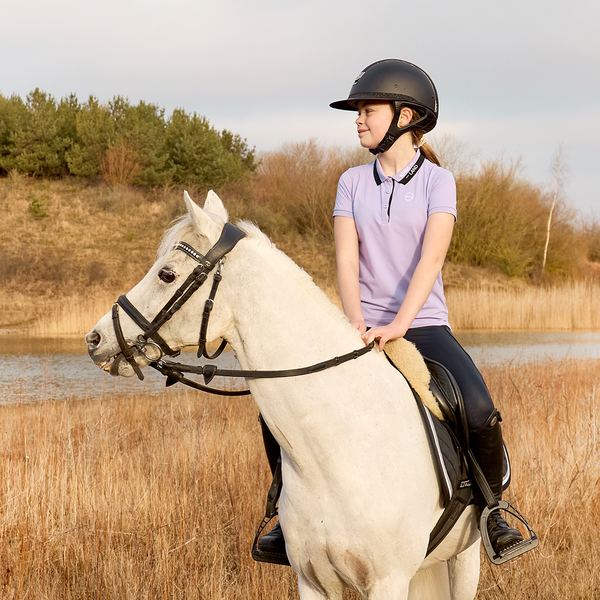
374	119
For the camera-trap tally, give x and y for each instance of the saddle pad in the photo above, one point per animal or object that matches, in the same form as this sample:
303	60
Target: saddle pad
409	361
444	450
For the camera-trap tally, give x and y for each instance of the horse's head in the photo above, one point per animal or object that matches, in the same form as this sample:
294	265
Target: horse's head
163	312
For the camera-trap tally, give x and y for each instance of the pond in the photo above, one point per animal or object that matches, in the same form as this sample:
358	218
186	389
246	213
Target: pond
37	369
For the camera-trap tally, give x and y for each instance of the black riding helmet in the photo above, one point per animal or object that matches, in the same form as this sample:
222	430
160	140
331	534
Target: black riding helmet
403	84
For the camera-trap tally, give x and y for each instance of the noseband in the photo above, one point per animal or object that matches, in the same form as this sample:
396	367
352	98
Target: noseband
230	236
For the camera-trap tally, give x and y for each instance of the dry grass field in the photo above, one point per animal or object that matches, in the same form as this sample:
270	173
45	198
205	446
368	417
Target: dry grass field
158	497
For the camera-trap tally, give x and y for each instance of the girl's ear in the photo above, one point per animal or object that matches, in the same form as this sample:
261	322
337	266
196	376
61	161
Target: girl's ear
406	116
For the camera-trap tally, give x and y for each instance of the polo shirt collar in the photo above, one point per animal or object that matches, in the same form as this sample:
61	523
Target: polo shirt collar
406	173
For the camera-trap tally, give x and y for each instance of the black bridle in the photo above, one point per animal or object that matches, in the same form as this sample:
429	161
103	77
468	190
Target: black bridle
150	340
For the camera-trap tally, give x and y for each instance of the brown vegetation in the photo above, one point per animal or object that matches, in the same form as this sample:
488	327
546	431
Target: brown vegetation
69	243
159	497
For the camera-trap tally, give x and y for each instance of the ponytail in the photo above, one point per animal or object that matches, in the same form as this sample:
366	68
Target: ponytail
426	150
420	142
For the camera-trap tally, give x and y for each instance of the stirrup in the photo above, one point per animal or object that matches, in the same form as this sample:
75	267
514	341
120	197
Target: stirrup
514	550
268	557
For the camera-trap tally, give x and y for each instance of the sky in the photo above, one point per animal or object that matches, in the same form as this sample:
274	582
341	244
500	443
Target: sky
517	79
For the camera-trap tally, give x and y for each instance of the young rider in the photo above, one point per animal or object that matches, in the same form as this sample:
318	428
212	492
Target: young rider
393	222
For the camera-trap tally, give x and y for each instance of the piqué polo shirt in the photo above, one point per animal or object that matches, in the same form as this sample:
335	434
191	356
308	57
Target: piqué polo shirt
390	219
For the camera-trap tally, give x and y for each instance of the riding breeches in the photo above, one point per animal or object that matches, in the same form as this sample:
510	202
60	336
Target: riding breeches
437	343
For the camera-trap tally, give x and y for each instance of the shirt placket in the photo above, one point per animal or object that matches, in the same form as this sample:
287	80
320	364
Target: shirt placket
387	191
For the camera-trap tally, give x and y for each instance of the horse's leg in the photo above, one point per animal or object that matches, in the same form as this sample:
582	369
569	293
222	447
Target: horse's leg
463	570
308	591
390	588
431	583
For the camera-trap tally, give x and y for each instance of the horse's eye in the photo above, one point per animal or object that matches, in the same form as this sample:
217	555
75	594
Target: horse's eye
167	276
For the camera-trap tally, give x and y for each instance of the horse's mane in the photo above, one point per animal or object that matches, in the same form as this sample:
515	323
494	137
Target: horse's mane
183	230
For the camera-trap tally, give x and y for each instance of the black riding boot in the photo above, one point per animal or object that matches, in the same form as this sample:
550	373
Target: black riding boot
486	444
271	546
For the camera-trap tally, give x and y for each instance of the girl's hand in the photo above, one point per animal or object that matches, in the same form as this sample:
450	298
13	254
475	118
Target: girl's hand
360	325
383	334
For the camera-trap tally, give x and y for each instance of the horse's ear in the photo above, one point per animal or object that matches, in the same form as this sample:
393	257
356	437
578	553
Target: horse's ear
213	204
203	222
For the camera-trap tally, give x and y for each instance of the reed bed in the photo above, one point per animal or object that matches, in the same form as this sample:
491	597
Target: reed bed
74	315
159	496
568	306
575	305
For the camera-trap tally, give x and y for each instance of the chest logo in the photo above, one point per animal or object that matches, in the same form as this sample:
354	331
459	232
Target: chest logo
408	196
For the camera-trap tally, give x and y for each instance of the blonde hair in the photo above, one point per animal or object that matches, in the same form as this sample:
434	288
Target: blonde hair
420	142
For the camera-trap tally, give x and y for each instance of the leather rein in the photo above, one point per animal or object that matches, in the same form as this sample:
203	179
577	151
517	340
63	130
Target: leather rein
150	341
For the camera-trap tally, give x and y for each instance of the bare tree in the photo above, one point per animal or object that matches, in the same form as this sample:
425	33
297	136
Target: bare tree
560	171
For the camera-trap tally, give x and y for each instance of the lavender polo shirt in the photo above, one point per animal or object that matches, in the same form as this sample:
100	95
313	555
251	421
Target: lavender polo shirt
390	220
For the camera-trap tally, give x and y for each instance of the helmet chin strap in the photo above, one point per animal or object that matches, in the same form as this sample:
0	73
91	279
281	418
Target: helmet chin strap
394	132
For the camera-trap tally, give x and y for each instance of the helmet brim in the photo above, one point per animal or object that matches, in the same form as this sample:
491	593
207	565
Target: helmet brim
344	105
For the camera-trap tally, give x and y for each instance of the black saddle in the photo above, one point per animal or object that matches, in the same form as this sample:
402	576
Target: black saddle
448	440
456	464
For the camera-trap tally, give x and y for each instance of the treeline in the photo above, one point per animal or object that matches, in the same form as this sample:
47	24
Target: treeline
119	142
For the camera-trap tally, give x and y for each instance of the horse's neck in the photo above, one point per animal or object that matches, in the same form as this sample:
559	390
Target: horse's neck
283	322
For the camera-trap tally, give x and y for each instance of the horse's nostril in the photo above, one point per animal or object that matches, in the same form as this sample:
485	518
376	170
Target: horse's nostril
93	338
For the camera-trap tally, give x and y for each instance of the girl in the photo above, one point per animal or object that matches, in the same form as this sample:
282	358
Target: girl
393	222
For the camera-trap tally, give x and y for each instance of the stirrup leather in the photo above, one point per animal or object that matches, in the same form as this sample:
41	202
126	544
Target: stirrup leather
512	551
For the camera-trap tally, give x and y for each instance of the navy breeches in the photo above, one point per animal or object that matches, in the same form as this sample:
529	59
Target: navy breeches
438	343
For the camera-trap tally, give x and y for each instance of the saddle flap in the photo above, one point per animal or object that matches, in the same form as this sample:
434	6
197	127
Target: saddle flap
447	394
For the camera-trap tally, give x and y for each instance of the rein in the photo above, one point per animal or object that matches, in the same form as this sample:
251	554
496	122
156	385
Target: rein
150	341
173	372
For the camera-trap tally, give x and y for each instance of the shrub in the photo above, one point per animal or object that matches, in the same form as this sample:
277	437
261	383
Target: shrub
299	182
38	207
120	164
502	221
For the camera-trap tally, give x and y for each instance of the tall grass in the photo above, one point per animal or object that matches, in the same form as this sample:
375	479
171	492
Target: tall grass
134	497
159	497
75	315
573	305
567	306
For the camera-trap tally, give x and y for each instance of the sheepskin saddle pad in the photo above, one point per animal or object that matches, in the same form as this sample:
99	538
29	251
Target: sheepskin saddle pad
409	361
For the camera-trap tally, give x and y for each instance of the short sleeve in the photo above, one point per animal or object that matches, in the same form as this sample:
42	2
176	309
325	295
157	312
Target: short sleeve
344	204
441	193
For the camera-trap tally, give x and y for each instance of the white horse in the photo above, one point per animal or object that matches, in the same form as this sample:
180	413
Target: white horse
360	494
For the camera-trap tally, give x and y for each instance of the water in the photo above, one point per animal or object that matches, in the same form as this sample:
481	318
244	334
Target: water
33	369
494	348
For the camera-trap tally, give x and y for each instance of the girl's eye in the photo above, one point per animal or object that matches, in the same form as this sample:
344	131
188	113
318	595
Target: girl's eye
167	276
